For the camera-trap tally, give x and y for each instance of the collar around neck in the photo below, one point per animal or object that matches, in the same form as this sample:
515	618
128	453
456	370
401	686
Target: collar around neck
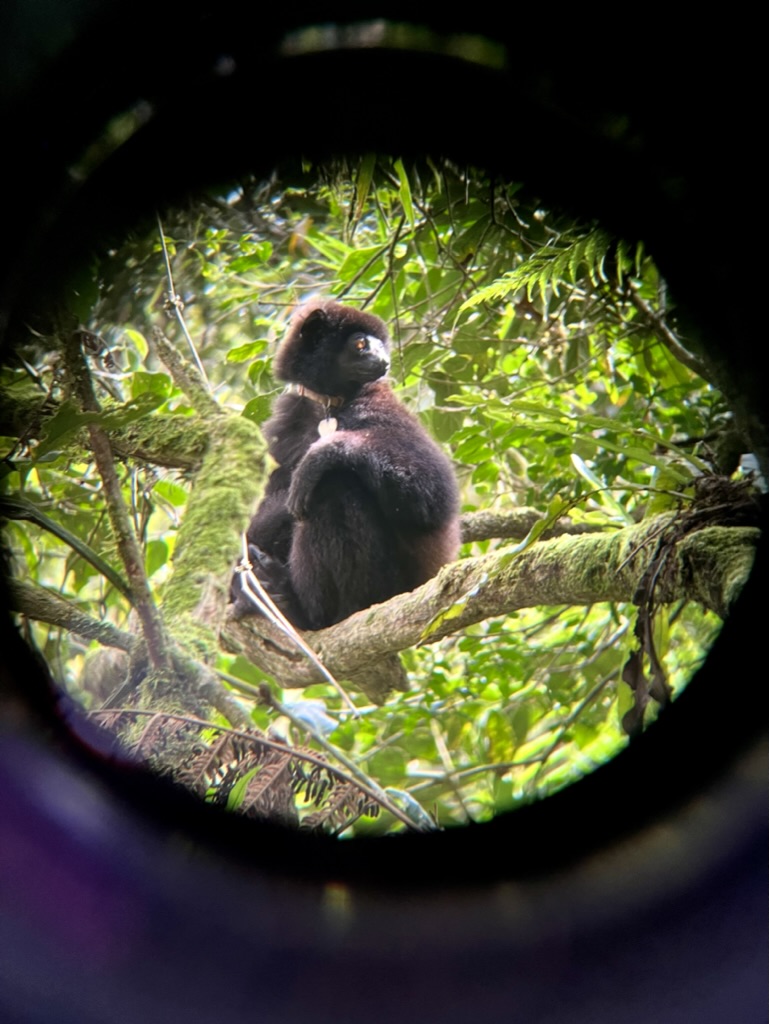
327	401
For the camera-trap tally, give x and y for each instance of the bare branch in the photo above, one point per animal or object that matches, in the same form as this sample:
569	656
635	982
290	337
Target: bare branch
174	302
658	324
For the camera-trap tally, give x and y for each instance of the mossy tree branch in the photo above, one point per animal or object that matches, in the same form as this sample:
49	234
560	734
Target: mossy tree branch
122	528
175	442
575	566
709	566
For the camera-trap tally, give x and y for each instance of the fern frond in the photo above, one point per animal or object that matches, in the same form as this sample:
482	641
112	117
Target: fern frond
568	261
345	804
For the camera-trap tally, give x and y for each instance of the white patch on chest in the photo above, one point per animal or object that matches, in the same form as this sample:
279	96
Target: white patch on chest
327	426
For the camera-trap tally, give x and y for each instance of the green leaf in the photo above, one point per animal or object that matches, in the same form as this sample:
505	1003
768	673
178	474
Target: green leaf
151	383
555	510
238	792
246	352
453	611
603	495
261	251
583	734
521	721
625	700
171	492
499	736
20	508
356	260
363	183
404	191
258	409
138	340
388	766
156	556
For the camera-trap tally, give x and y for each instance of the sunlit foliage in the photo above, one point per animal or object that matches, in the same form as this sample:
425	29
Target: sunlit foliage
542	353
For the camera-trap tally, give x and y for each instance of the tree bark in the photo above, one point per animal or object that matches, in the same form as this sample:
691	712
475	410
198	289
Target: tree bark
709	566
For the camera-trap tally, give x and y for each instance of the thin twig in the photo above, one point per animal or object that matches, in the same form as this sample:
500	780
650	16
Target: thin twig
660	327
448	766
563	726
175	303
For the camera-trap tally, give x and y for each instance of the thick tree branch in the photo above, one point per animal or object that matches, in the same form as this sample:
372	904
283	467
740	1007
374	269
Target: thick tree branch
709	566
35	602
515	524
175	442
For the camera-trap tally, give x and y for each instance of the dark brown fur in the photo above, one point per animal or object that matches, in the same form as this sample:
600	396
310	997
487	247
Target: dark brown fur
365	513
